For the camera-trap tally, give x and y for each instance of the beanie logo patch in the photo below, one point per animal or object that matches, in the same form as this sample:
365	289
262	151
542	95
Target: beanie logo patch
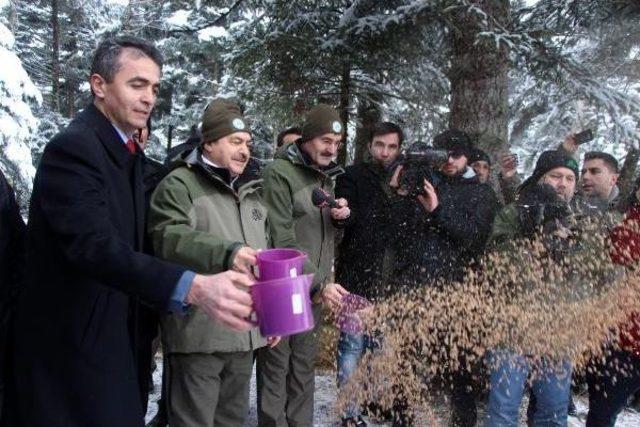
572	164
336	126
238	124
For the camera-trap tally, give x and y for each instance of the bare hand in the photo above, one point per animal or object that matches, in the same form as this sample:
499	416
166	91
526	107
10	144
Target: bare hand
224	297
244	259
569	144
428	200
342	212
332	296
395	178
508	164
273	341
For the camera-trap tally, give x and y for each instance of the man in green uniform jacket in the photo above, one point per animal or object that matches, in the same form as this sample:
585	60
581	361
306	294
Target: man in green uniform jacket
286	371
207	214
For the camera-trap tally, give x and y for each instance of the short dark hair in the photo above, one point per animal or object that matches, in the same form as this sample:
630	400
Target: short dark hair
607	158
385	128
294	130
105	58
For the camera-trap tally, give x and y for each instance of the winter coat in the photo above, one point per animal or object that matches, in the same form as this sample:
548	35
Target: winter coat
366	247
293	219
12	236
625	242
75	330
198	220
588	224
443	244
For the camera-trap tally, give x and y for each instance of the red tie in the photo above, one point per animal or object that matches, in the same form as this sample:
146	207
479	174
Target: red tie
131	146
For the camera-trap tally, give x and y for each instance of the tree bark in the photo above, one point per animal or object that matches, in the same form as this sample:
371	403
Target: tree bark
343	109
628	173
55	57
478	76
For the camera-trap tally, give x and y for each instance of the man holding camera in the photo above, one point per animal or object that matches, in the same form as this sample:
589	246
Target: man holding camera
444	229
286	373
542	211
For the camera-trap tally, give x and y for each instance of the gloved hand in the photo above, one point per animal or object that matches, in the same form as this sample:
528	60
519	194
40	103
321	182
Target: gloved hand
541	209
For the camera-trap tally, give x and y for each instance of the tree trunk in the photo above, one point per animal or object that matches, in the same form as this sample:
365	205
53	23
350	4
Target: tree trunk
343	109
368	116
628	173
478	76
55	57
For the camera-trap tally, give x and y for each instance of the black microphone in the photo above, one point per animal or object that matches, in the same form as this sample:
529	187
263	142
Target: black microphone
321	198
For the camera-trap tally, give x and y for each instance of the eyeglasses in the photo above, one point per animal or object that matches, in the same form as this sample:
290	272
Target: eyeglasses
456	154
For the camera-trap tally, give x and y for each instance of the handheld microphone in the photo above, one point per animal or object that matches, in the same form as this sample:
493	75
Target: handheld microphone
322	199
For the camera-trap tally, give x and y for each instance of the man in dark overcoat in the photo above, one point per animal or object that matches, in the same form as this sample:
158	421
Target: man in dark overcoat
75	361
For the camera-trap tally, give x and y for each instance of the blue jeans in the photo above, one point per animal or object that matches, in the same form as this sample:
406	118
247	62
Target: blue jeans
551	387
350	351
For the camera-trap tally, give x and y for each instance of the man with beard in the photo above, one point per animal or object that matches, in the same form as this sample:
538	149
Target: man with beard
542	210
440	235
365	256
598	180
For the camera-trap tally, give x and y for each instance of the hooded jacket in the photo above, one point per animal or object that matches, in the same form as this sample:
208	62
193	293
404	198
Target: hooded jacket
198	219
293	219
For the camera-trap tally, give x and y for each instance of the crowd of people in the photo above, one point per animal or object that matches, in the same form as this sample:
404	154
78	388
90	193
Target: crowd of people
118	246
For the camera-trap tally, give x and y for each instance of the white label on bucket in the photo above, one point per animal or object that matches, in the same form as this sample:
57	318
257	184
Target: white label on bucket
296	302
293	272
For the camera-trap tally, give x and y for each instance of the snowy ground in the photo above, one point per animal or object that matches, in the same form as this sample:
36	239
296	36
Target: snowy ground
326	393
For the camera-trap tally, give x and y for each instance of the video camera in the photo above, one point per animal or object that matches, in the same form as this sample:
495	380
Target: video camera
419	162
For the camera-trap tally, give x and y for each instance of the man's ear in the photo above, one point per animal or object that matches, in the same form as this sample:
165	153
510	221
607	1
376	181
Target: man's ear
97	83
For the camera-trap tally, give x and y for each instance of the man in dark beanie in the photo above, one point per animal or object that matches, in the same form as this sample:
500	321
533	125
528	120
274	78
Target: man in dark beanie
208	215
480	162
285	373
441	233
543	209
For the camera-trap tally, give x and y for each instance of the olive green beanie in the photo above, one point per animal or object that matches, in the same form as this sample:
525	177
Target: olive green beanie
222	117
321	119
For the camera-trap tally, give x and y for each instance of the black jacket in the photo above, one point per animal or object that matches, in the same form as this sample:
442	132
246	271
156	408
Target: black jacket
444	243
75	332
367	231
12	233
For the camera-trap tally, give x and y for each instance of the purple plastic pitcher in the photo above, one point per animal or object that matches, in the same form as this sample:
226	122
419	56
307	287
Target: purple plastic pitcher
348	320
283	305
279	263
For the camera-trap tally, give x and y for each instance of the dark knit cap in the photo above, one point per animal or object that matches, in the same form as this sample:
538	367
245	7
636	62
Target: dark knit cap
320	120
455	141
548	161
477	155
222	117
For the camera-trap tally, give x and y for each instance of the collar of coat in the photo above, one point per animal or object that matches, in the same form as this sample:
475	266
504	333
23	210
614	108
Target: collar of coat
249	179
295	155
107	135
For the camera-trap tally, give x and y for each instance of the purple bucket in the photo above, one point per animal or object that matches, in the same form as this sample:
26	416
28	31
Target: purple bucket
280	263
348	320
283	305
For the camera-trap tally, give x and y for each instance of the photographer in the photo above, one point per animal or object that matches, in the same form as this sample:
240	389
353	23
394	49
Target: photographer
542	210
443	221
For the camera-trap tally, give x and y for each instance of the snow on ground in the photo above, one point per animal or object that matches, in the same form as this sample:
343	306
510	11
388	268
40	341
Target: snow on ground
325	416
